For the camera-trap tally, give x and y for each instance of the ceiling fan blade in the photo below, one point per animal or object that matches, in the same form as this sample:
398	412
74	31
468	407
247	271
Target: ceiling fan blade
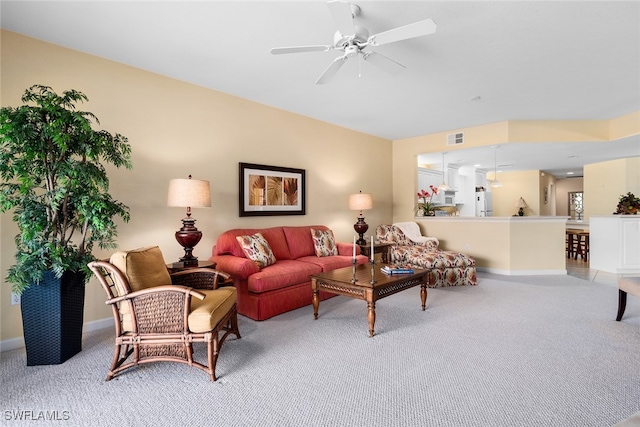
384	63
417	29
299	49
331	70
343	16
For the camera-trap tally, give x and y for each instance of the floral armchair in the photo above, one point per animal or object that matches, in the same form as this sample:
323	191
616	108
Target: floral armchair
409	247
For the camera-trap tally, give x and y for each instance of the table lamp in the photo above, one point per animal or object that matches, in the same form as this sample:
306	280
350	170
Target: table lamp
188	193
521	205
360	202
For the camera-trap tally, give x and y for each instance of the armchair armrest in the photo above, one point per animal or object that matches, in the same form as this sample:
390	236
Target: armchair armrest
157	289
199	278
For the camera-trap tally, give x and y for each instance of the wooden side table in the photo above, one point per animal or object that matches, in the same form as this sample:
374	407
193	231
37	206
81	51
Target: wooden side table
378	248
174	267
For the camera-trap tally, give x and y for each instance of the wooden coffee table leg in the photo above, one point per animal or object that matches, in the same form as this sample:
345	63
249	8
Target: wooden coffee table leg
423	295
371	316
316	298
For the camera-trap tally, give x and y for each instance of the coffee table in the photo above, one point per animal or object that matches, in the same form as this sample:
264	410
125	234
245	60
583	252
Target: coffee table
356	282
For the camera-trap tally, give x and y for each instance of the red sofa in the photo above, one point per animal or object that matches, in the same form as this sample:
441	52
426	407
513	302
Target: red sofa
285	285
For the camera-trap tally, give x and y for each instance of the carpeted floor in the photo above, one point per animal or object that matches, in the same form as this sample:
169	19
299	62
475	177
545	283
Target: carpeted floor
513	351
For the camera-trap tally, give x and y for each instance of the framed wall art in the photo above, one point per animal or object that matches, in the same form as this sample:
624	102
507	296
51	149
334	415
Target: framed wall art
271	190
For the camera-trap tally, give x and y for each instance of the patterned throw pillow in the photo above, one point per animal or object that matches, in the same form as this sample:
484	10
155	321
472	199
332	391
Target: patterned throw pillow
324	242
257	249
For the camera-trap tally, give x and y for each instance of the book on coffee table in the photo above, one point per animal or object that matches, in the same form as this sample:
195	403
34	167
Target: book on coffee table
390	269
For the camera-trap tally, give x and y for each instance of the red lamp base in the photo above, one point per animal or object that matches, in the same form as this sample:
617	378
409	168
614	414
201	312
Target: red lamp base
361	227
188	237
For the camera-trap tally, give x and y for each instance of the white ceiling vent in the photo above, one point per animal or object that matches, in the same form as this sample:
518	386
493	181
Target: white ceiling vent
455	138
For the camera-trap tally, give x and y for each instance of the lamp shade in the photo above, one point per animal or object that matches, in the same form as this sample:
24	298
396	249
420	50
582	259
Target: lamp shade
360	201
521	203
194	193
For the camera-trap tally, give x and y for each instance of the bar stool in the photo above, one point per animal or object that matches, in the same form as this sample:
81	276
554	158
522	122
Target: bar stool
582	245
572	240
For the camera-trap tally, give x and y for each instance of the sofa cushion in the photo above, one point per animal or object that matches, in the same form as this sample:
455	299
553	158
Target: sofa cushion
228	245
282	274
257	249
300	241
143	267
324	242
328	263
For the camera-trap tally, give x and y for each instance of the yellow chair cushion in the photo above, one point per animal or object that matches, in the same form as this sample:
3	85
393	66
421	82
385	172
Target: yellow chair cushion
207	313
143	267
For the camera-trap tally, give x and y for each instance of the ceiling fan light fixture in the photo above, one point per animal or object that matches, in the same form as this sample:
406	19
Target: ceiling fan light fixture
353	39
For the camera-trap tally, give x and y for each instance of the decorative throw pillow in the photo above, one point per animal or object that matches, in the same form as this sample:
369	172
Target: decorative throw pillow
257	249
324	242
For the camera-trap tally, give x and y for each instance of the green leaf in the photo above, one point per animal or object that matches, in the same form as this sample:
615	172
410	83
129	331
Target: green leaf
53	177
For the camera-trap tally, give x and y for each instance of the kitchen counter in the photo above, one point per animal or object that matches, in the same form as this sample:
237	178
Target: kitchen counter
510	245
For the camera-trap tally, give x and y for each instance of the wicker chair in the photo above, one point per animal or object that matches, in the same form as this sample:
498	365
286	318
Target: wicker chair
157	318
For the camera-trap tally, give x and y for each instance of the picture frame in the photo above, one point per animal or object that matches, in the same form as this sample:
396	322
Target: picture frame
271	190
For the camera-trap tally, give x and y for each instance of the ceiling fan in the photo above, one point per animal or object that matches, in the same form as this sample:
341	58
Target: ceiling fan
353	40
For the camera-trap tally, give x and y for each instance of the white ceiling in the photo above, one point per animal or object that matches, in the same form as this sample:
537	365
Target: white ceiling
535	60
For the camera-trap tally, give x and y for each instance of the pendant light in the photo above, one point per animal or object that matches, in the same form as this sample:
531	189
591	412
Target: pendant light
443	186
495	183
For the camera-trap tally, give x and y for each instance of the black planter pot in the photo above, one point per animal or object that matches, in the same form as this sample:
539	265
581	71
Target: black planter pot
52	318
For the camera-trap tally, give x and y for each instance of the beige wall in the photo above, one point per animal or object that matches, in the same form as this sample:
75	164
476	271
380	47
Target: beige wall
605	182
177	129
525	184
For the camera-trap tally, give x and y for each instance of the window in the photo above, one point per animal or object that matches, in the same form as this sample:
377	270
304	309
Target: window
576	209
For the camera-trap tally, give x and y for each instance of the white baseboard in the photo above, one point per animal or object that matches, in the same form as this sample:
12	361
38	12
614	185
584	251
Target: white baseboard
11	344
522	272
95	325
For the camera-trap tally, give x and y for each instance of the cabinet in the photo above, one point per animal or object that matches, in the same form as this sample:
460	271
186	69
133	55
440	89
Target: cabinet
615	243
427	177
453	178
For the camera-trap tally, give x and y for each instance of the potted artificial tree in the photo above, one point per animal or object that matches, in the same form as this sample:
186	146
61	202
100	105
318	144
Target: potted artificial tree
54	180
